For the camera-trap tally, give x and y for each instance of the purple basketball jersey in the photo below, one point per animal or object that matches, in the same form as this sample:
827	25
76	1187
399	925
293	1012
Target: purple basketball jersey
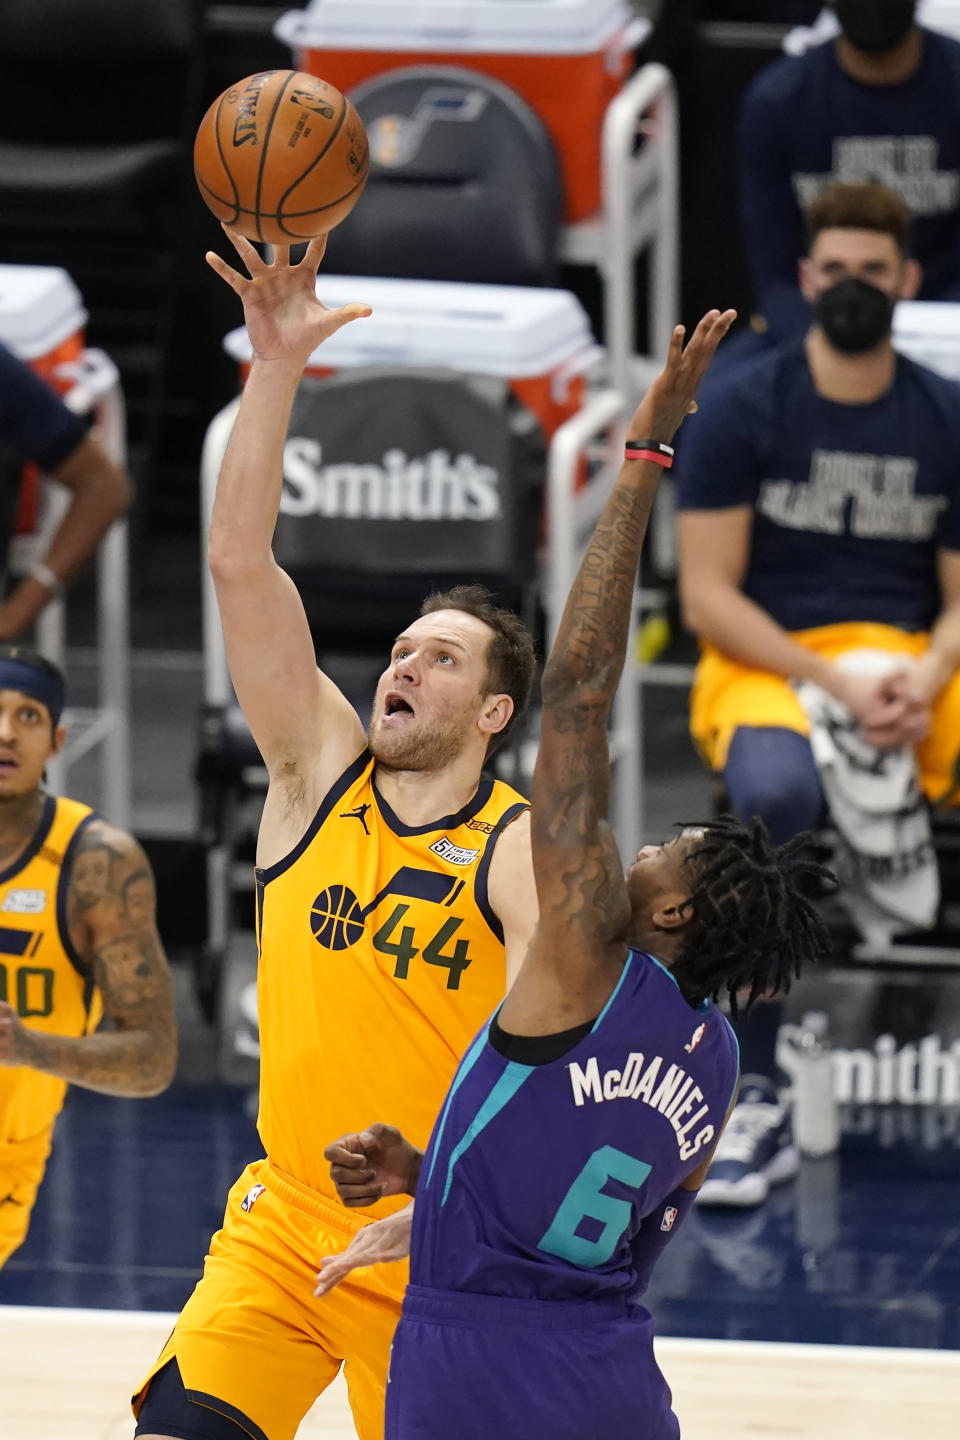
537	1177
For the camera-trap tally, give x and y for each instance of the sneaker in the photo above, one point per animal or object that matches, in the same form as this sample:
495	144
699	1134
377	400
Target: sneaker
756	1149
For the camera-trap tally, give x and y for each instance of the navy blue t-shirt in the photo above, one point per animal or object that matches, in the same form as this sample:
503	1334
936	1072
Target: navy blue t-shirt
851	502
804	123
34	422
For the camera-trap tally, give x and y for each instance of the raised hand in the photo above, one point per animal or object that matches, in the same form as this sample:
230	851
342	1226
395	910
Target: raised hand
671	396
284	318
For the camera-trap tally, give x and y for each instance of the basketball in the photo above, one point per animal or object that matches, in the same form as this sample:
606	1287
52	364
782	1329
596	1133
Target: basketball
281	157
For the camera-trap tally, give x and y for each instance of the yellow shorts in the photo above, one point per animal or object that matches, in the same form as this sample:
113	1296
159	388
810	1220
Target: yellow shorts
253	1339
726	695
22	1163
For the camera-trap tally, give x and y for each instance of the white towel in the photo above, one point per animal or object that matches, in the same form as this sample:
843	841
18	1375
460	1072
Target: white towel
885	859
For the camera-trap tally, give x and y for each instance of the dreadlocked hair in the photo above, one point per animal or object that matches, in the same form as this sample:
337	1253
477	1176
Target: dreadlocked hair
752	928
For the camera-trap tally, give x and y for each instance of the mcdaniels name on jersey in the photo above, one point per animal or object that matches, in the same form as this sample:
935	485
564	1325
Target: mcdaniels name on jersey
675	1096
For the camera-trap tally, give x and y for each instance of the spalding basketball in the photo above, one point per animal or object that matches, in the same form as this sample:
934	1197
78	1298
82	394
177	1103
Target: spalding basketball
281	157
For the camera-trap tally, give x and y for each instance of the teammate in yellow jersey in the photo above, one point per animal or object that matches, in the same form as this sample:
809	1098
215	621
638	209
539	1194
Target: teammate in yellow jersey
395	897
72	947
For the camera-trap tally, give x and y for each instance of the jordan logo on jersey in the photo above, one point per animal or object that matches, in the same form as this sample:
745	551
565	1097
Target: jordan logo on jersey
359	814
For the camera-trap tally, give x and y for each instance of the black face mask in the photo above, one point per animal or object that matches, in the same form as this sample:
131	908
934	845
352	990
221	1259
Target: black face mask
855	317
875	25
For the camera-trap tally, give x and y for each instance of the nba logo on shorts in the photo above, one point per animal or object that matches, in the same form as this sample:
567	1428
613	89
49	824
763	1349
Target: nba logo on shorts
669	1215
253	1195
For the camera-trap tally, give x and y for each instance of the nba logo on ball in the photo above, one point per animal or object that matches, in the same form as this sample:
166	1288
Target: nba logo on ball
669	1215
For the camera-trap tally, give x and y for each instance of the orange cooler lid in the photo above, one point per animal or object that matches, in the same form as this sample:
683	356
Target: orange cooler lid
40	308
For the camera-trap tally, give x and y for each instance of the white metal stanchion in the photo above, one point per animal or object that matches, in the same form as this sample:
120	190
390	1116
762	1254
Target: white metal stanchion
217	685
595	432
95	387
640	212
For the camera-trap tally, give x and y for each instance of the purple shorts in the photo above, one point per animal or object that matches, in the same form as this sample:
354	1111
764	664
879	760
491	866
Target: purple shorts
480	1367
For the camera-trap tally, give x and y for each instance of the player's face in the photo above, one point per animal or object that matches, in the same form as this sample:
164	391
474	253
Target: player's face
433	692
27	742
660	873
864	255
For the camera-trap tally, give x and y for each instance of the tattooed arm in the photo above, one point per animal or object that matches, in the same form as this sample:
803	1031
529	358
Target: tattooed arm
579	947
111	913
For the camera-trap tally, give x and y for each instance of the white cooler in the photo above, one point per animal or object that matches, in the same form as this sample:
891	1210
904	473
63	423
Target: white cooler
42	317
538	339
929	331
566	58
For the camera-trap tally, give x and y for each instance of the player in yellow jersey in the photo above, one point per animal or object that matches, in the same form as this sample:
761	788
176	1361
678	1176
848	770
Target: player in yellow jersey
73	946
395	897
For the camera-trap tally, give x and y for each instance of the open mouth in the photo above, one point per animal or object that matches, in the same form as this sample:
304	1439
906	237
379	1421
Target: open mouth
7	764
395	705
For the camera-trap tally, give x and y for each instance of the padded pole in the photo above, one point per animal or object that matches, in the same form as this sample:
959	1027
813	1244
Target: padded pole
217	686
571	515
640	198
96	386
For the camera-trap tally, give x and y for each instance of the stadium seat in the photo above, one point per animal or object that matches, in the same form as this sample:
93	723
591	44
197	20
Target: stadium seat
464	183
96	116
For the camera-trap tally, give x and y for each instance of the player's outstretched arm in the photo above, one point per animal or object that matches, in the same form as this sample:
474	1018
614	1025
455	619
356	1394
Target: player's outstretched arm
376	1244
302	724
583	902
111	916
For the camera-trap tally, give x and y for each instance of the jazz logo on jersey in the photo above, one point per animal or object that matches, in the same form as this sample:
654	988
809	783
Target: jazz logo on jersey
669	1215
24	902
455	854
251	1197
695	1039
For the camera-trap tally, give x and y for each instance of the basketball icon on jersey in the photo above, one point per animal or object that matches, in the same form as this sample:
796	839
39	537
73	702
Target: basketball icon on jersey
336	918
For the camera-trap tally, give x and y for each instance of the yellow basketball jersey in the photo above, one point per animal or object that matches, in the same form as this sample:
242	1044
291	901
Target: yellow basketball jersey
380	958
41	975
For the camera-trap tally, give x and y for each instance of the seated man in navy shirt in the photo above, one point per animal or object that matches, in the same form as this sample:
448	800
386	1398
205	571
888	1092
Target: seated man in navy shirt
880	103
819	513
36	426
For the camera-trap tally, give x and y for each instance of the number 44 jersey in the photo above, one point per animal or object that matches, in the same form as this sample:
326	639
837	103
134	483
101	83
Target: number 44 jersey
379	957
537	1177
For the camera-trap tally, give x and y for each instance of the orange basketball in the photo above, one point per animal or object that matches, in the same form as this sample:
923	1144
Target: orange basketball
281	157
